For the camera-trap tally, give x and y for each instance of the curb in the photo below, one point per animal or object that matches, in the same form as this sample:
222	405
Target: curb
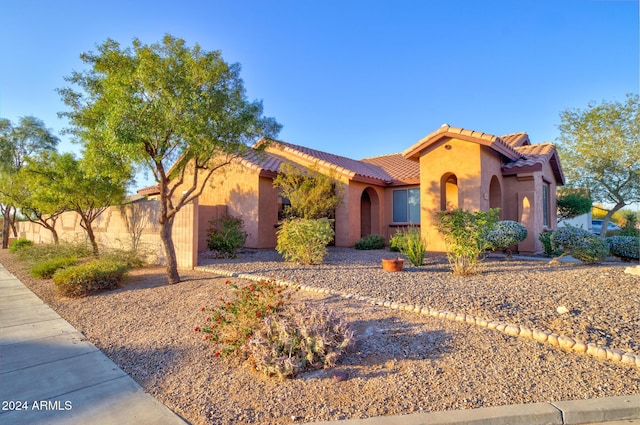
566	343
548	413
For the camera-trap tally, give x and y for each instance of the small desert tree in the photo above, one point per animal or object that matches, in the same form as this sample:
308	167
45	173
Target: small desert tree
180	112
305	234
312	194
600	150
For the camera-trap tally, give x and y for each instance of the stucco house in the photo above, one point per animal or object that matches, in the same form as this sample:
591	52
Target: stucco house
449	168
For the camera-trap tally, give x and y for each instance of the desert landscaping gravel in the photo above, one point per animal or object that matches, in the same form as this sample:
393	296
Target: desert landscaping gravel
402	363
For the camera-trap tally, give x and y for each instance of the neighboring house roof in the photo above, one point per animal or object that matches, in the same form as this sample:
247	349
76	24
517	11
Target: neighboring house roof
535	157
401	170
516	139
494	142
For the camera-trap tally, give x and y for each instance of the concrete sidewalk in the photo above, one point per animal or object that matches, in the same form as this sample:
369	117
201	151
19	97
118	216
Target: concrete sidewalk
602	411
50	373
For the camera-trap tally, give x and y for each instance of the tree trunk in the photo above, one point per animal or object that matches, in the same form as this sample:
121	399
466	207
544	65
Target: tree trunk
13	223
607	218
166	228
6	227
92	237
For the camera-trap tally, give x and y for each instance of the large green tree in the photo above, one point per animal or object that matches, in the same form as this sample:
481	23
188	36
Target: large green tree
600	151
180	112
18	144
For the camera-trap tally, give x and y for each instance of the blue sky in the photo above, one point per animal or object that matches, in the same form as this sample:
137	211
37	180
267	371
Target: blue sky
355	78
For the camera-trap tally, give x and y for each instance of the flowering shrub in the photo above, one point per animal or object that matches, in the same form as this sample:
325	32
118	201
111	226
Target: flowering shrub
505	234
371	242
94	276
45	269
625	247
301	337
304	241
225	236
233	321
465	235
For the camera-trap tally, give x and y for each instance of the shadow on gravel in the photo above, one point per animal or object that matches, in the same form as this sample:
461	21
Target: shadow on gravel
383	342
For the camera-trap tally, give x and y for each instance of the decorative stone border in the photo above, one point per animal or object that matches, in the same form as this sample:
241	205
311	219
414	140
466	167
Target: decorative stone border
556	340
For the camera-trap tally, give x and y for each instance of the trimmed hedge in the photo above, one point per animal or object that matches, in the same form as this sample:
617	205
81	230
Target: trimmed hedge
47	268
625	247
505	234
89	278
371	242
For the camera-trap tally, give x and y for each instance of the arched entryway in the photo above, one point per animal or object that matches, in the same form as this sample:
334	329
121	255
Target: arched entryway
495	194
369	212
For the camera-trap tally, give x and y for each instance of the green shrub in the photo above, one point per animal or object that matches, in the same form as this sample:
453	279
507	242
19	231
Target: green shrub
630	231
231	322
19	245
414	247
549	248
300	338
625	247
398	241
505	234
128	257
92	277
581	244
371	242
465	235
304	241
568	237
225	236
45	269
591	250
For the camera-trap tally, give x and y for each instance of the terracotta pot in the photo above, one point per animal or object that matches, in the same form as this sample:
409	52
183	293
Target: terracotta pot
392	264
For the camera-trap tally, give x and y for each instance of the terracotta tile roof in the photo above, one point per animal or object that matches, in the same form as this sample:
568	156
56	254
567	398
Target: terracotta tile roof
535	157
400	169
516	139
149	190
351	168
494	142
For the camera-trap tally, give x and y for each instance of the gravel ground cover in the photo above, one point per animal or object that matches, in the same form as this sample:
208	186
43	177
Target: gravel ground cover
402	363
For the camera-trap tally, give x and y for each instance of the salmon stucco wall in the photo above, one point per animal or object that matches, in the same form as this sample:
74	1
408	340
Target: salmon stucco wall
450	157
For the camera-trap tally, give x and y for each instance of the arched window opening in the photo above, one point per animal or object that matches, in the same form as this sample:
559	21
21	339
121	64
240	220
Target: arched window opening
449	196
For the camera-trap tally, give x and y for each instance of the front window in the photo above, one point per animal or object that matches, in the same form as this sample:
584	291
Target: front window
406	206
545	205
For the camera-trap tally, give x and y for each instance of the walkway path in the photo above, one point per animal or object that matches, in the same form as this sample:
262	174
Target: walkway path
50	374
